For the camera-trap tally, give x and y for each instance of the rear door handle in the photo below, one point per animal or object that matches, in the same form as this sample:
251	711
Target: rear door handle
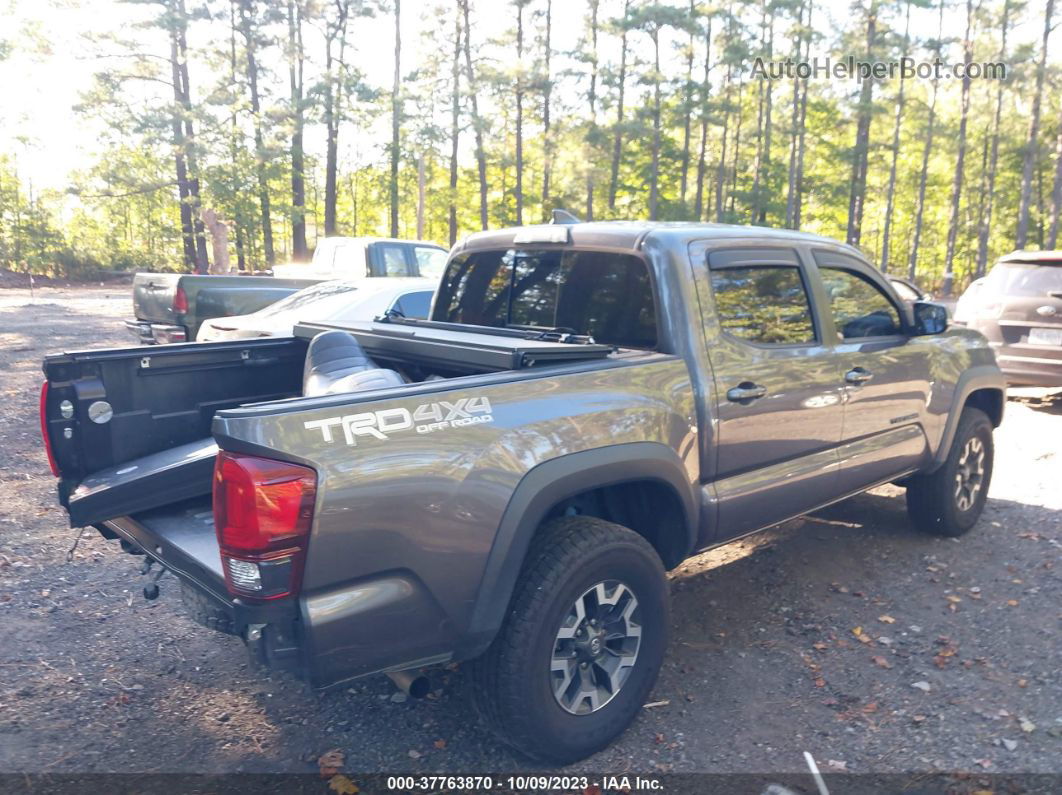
858	375
745	392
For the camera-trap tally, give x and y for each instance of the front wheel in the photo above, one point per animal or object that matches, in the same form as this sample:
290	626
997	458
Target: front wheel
582	644
949	501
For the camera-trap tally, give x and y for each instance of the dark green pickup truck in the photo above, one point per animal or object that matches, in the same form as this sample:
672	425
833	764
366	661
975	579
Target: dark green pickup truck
170	307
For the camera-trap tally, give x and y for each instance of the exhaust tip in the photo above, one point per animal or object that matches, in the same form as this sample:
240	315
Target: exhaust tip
413	685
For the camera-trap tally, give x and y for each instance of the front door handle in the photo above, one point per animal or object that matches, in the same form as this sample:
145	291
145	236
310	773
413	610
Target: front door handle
858	375
745	392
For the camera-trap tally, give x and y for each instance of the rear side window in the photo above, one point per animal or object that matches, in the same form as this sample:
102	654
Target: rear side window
388	259
859	307
416	304
764	304
430	261
608	296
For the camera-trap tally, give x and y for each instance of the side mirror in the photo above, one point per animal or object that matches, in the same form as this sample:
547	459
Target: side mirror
929	318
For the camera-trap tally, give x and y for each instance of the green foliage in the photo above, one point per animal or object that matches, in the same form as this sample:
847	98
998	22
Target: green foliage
124	212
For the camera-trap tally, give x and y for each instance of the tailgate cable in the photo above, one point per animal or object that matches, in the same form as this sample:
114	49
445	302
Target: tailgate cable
70	553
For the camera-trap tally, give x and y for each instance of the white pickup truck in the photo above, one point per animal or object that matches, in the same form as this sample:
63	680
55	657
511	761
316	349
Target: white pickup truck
170	307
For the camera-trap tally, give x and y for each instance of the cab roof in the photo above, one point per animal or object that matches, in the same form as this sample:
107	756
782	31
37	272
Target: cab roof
632	235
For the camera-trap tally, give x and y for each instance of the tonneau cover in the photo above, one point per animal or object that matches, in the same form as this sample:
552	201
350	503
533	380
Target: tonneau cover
469	351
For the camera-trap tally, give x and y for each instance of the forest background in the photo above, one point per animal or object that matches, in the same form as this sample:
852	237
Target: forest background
122	120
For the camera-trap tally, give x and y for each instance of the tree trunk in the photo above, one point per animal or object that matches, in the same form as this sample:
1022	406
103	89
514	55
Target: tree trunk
687	109
860	152
335	30
617	141
761	108
737	150
654	166
798	204
890	193
592	134
259	142
912	266
421	195
720	175
187	229
202	265
1032	139
1056	190
396	117
790	197
547	151
960	158
990	183
706	87
299	250
477	122
519	189
455	110
767	129
234	144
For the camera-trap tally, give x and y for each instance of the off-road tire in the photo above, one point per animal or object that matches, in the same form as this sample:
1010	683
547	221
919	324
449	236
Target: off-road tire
931	500
203	610
511	686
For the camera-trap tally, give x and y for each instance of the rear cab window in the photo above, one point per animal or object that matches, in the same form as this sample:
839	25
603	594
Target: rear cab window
605	295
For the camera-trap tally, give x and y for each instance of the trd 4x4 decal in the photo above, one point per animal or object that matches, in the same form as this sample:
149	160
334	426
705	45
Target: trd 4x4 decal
425	418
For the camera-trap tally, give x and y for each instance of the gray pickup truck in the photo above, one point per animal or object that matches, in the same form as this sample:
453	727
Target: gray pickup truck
508	481
170	307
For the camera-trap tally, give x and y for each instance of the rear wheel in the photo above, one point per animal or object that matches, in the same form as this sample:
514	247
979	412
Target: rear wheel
582	644
949	501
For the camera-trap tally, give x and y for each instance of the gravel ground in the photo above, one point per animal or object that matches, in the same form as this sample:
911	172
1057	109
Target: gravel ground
846	634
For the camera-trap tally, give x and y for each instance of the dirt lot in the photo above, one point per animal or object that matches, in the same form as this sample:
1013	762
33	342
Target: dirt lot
846	634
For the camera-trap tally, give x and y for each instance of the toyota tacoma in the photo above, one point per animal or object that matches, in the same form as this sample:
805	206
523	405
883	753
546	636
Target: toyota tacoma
508	481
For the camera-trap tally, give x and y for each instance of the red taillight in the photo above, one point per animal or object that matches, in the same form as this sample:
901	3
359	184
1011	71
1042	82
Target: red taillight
262	515
44	430
180	301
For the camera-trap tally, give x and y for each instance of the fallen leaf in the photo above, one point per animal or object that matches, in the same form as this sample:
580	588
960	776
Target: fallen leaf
985	763
861	636
881	662
1027	725
820	646
925	687
1012	602
886	619
1023	682
871	707
659	739
836	765
820	682
918	718
440	744
330	762
953	598
342	785
653	704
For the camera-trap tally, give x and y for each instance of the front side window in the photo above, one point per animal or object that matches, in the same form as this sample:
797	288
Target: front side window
859	307
607	296
390	260
763	304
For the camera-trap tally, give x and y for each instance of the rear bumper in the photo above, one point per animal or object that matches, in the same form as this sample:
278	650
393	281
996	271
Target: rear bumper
269	630
1030	365
148	333
328	637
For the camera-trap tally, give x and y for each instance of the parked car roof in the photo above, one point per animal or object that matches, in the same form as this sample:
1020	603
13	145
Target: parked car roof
1039	257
